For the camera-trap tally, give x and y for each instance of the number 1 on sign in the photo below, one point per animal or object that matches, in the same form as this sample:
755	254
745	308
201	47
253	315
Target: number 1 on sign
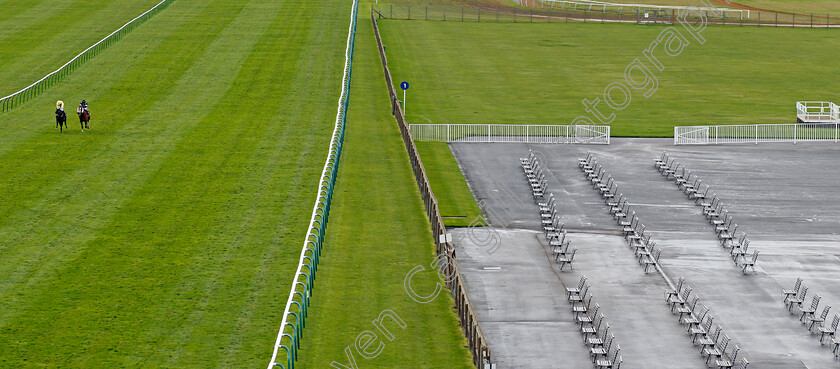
404	86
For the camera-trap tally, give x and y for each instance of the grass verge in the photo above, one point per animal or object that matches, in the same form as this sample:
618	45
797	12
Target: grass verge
377	233
539	73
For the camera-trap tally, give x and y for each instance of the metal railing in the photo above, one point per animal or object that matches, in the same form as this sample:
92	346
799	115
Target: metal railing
27	93
518	133
756	133
817	111
591	5
476	341
289	340
580	11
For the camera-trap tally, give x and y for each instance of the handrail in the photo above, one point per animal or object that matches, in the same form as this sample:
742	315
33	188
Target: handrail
828	131
25	94
318	222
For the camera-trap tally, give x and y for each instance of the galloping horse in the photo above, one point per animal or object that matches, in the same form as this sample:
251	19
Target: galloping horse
84	117
60	119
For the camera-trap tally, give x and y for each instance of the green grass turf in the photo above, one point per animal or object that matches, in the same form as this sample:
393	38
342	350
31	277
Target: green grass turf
457	205
539	73
167	235
38	36
377	233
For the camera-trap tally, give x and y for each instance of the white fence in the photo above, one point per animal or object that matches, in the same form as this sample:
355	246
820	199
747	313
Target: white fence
518	133
817	112
634	8
286	350
10	102
756	133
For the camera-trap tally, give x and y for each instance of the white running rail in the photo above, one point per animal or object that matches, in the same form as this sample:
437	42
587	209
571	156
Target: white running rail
10	102
817	112
756	133
317	223
630	8
518	133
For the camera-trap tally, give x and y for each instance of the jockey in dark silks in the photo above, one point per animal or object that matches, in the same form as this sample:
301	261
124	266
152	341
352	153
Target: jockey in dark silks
84	105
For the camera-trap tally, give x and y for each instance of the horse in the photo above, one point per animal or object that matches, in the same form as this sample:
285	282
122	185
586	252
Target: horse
60	119
84	117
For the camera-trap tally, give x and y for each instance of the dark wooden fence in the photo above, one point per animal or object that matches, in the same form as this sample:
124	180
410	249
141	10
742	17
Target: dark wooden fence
455	282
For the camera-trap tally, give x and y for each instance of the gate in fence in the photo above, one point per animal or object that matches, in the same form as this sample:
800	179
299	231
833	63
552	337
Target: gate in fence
516	133
756	133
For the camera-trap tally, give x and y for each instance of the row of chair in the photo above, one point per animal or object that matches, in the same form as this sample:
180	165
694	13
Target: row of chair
796	298
713	209
714	345
645	250
554	230
596	332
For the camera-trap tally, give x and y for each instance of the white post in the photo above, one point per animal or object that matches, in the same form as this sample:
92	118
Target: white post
756	134
403	102
794	133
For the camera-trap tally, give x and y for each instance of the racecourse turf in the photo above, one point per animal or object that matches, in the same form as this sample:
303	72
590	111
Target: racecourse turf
377	233
38	36
539	73
168	234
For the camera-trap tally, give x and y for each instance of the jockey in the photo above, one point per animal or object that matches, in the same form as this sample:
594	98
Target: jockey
84	105
59	105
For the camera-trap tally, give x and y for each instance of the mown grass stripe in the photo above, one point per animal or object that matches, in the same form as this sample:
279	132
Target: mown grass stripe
205	158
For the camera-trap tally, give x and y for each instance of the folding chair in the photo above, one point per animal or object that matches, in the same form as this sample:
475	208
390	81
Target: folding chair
607	363
586	319
598	339
546	205
662	159
797	300
743	364
675	291
620	212
809	311
614	202
829	330
589	326
680	299
567	260
751	262
670	169
727	235
739	251
585	161
636	234
794	291
682	176
652	259
717	350
661	166
639	244
596	352
709	340
688	308
697	195
578	297
695	318
701	329
582	306
723	362
576	290
818	321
